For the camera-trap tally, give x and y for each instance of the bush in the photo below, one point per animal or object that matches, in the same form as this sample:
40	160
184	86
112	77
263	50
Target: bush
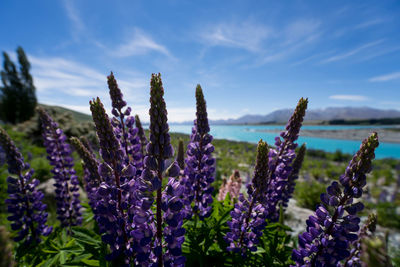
387	215
308	193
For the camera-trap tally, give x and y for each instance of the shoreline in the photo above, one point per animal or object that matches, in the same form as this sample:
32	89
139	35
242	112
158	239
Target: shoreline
385	135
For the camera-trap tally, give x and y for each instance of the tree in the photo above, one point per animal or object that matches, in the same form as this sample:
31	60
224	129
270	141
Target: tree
18	94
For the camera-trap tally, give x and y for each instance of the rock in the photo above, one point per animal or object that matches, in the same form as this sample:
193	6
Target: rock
296	217
48	189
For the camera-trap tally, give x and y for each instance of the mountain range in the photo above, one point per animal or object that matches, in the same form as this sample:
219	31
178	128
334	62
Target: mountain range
282	115
326	114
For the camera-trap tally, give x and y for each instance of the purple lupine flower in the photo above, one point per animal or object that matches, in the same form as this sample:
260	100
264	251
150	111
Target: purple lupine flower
92	179
141	134
335	224
66	182
124	126
180	157
86	143
249	215
142	221
266	189
173	232
113	192
199	170
159	149
294	175
367	230
24	203
3	157
280	160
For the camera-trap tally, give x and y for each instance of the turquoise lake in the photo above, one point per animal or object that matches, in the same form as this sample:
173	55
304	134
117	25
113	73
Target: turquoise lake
253	133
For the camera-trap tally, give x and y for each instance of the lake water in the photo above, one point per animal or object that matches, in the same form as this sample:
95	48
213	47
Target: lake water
253	133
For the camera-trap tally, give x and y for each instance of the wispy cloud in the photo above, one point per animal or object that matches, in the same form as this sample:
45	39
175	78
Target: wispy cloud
369	23
313	57
351	52
386	77
303	30
69	83
350	29
246	35
292	38
269	43
138	44
78	27
357	98
378	52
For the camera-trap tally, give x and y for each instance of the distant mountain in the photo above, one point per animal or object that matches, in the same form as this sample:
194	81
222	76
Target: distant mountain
326	114
282	115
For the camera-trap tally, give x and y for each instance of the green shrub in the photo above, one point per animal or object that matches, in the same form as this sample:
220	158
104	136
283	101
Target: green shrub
42	168
308	193
387	215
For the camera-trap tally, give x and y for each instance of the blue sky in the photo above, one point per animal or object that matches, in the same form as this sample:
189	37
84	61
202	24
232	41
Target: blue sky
251	57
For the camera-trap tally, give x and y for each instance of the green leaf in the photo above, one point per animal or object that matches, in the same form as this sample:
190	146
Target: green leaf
50	251
85	236
227	200
91	262
52	261
63	257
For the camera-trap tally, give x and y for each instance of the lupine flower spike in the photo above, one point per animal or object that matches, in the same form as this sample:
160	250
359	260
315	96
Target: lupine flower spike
141	134
294	175
280	161
66	182
114	191
24	202
86	143
335	224
199	170
180	158
168	239
124	126
232	186
366	231
265	191
222	190
92	179
248	216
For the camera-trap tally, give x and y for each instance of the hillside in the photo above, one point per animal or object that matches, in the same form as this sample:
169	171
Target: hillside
78	116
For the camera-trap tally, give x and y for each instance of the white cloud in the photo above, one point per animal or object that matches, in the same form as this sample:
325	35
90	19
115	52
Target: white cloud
352	52
386	77
68	83
369	23
268	43
71	85
181	114
140	43
356	98
78	27
246	35
301	30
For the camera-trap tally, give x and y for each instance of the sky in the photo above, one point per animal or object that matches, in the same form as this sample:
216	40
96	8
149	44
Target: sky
250	57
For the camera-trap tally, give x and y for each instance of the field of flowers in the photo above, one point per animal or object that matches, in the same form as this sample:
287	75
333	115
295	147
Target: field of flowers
131	200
